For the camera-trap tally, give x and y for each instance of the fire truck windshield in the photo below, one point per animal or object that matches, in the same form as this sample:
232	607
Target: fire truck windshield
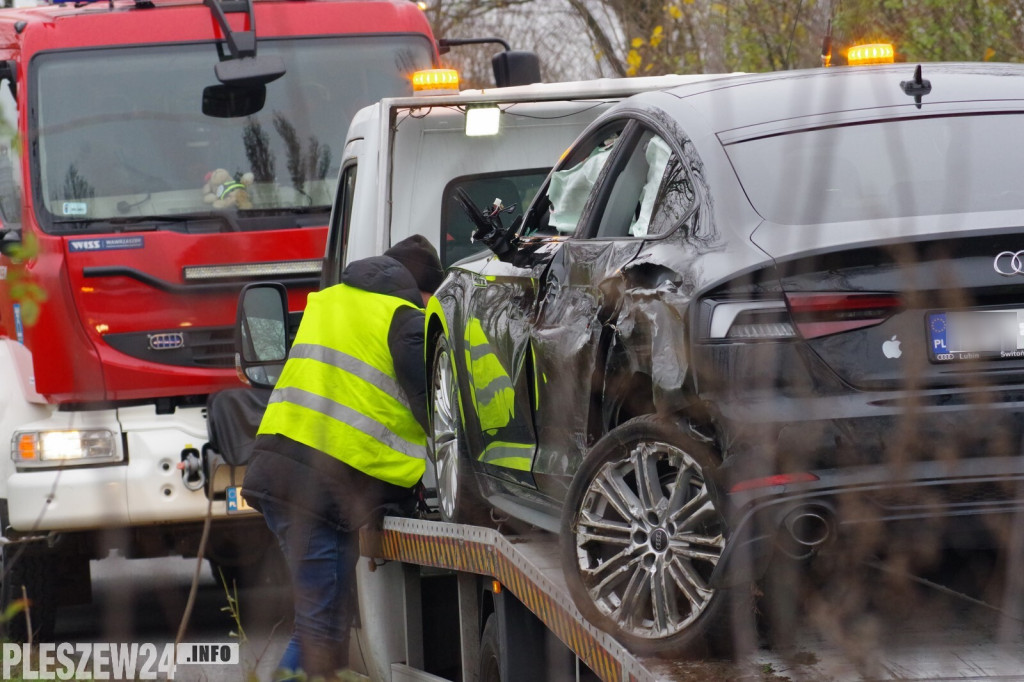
121	137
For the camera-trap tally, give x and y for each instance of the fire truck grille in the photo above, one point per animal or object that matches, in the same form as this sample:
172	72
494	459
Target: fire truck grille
208	347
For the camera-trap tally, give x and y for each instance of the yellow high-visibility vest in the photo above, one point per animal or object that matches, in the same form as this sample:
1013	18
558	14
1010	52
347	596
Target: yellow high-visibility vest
338	392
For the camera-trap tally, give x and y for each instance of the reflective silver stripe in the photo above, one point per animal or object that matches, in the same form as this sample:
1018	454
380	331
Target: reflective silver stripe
479	351
354	366
486	394
498	383
509	452
336	410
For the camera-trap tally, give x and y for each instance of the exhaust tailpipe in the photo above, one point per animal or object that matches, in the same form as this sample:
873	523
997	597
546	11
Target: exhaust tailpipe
806	530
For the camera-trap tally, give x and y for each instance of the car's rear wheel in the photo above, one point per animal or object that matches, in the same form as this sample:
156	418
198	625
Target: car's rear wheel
641	537
457	499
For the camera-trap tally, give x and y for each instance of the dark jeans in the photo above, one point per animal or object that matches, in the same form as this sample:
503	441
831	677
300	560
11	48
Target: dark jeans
321	560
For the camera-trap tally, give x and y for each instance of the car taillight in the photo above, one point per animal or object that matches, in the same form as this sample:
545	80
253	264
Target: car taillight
808	315
750	320
821	314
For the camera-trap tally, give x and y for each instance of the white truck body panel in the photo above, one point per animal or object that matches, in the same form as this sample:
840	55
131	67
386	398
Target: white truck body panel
148	488
16	371
21	403
377	643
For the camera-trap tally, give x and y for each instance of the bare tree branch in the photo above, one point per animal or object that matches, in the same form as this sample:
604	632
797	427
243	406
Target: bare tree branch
599	35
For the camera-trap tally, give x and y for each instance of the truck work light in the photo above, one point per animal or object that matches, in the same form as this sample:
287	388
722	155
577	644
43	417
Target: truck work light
482	120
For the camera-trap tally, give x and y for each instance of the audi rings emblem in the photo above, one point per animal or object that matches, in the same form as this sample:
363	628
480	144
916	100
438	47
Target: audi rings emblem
1009	263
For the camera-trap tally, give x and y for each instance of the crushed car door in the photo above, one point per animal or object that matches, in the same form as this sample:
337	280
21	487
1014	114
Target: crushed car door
503	307
570	333
500	300
546	236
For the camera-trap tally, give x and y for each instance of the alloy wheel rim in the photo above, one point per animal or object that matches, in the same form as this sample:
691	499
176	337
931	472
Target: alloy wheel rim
445	436
647	540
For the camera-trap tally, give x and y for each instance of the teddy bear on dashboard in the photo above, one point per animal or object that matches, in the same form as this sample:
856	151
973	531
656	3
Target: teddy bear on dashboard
224	190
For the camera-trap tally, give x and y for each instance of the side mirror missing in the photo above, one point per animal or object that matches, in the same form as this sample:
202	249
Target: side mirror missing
261	333
489	228
233	101
516	67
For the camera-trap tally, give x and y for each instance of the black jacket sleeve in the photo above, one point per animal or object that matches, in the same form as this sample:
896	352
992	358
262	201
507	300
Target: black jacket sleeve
405	340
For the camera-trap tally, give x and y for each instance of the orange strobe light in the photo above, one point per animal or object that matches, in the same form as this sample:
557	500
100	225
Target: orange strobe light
433	80
874	53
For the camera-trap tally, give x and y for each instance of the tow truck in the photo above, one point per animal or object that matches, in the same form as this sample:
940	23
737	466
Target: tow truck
405	160
156	155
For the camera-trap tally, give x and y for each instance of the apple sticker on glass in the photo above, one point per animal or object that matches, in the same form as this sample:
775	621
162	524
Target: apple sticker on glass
891	348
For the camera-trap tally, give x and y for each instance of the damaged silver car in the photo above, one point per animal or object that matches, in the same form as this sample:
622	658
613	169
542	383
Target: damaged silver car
743	319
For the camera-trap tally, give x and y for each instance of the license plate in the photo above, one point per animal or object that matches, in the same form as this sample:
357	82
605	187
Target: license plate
976	335
236	503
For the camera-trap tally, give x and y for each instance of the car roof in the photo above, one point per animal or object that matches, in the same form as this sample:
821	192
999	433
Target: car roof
743	106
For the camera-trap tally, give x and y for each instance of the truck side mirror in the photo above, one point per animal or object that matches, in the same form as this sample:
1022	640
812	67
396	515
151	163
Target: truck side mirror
243	67
10	240
516	67
249	71
9	73
261	333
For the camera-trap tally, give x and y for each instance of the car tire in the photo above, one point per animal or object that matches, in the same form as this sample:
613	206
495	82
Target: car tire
457	498
490	652
637	564
35	571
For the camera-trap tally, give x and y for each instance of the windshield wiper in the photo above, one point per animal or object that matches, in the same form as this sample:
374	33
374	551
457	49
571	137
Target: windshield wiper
297	210
132	222
144	223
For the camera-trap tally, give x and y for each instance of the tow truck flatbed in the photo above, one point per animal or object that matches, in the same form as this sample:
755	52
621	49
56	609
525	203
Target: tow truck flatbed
528	567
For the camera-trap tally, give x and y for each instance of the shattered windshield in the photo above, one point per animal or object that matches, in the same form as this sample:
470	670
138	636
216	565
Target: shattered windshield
122	138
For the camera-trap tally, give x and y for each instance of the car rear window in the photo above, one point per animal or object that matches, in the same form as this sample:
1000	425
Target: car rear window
891	169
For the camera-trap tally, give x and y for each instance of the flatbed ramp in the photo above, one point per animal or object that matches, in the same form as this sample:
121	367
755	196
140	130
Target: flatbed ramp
525	565
528	566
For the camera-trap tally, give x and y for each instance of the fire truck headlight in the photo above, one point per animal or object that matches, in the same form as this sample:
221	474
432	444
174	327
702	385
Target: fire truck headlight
58	448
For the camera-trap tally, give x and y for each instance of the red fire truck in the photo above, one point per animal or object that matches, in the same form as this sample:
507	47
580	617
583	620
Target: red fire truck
156	155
